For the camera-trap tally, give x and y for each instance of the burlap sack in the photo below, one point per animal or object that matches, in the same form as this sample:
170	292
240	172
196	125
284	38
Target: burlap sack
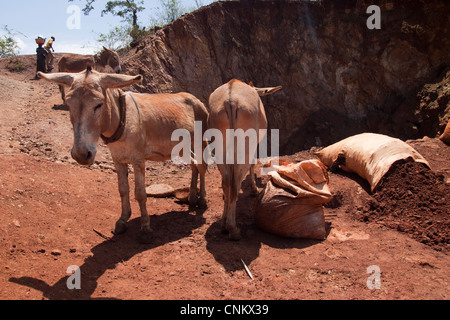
445	136
291	203
369	155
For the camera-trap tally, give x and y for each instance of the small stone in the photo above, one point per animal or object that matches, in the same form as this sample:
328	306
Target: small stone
160	191
56	252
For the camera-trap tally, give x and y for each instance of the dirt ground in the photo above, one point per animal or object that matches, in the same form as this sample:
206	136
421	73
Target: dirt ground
56	214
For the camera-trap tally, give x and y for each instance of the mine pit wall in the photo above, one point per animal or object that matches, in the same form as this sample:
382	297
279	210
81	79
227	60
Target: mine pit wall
339	78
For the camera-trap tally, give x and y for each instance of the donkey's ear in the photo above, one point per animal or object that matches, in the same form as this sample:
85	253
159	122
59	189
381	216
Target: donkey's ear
266	91
61	78
118	80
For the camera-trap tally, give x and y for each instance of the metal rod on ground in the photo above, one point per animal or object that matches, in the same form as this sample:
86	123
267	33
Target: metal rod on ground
247	270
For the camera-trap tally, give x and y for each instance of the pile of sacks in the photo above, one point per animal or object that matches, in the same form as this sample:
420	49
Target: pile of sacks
291	204
445	136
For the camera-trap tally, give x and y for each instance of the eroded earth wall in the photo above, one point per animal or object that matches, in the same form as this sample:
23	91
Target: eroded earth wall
339	77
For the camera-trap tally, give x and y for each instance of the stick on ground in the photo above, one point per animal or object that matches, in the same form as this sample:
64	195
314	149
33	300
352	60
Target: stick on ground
247	270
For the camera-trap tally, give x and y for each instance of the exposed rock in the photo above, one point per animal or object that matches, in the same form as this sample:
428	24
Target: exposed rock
339	78
159	190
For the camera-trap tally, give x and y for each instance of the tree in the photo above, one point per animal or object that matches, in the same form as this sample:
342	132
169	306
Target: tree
88	8
117	38
169	11
126	9
8	46
129	9
172	10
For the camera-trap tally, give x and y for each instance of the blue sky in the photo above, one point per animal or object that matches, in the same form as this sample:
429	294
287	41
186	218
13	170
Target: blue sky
30	18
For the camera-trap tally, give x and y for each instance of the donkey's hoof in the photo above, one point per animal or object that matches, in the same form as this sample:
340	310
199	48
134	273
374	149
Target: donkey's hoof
202	204
234	235
121	227
224	230
193	201
254	192
145	236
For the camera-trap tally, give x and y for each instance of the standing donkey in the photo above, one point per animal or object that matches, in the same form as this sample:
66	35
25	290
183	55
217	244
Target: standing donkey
136	127
237	106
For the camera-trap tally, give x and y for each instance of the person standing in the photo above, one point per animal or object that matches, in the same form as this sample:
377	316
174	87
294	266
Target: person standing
49	58
41	54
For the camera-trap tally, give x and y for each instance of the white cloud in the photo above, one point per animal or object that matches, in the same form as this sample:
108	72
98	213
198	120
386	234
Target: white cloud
28	46
80	48
21	44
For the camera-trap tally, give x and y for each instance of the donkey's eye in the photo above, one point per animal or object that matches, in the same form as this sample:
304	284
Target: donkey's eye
98	107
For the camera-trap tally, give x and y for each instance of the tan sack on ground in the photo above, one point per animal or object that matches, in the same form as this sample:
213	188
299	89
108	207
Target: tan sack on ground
369	155
291	203
445	136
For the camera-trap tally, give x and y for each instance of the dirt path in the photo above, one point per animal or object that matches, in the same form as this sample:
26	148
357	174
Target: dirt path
50	207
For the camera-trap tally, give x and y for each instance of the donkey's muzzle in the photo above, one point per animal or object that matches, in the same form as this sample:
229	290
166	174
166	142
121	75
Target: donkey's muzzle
84	157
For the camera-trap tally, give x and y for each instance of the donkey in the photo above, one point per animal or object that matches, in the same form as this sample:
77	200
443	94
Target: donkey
236	105
136	127
71	62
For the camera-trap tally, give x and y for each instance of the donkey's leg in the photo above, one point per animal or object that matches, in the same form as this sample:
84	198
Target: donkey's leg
202	168
141	198
254	188
124	190
225	194
234	232
193	192
225	210
230	194
63	94
235	182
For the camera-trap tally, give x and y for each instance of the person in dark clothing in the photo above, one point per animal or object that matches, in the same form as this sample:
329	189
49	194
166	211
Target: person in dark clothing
41	55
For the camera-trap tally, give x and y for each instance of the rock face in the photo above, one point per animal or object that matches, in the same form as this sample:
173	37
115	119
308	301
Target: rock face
339	77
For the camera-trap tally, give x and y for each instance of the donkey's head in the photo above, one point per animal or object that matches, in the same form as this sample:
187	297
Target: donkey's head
111	58
90	110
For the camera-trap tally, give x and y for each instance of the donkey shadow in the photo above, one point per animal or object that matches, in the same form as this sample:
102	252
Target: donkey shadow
120	248
229	253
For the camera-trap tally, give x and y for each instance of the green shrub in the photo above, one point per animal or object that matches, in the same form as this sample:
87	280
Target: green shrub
16	64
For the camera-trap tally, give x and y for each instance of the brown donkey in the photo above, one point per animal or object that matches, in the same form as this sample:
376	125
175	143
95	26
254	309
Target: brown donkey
237	106
136	127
